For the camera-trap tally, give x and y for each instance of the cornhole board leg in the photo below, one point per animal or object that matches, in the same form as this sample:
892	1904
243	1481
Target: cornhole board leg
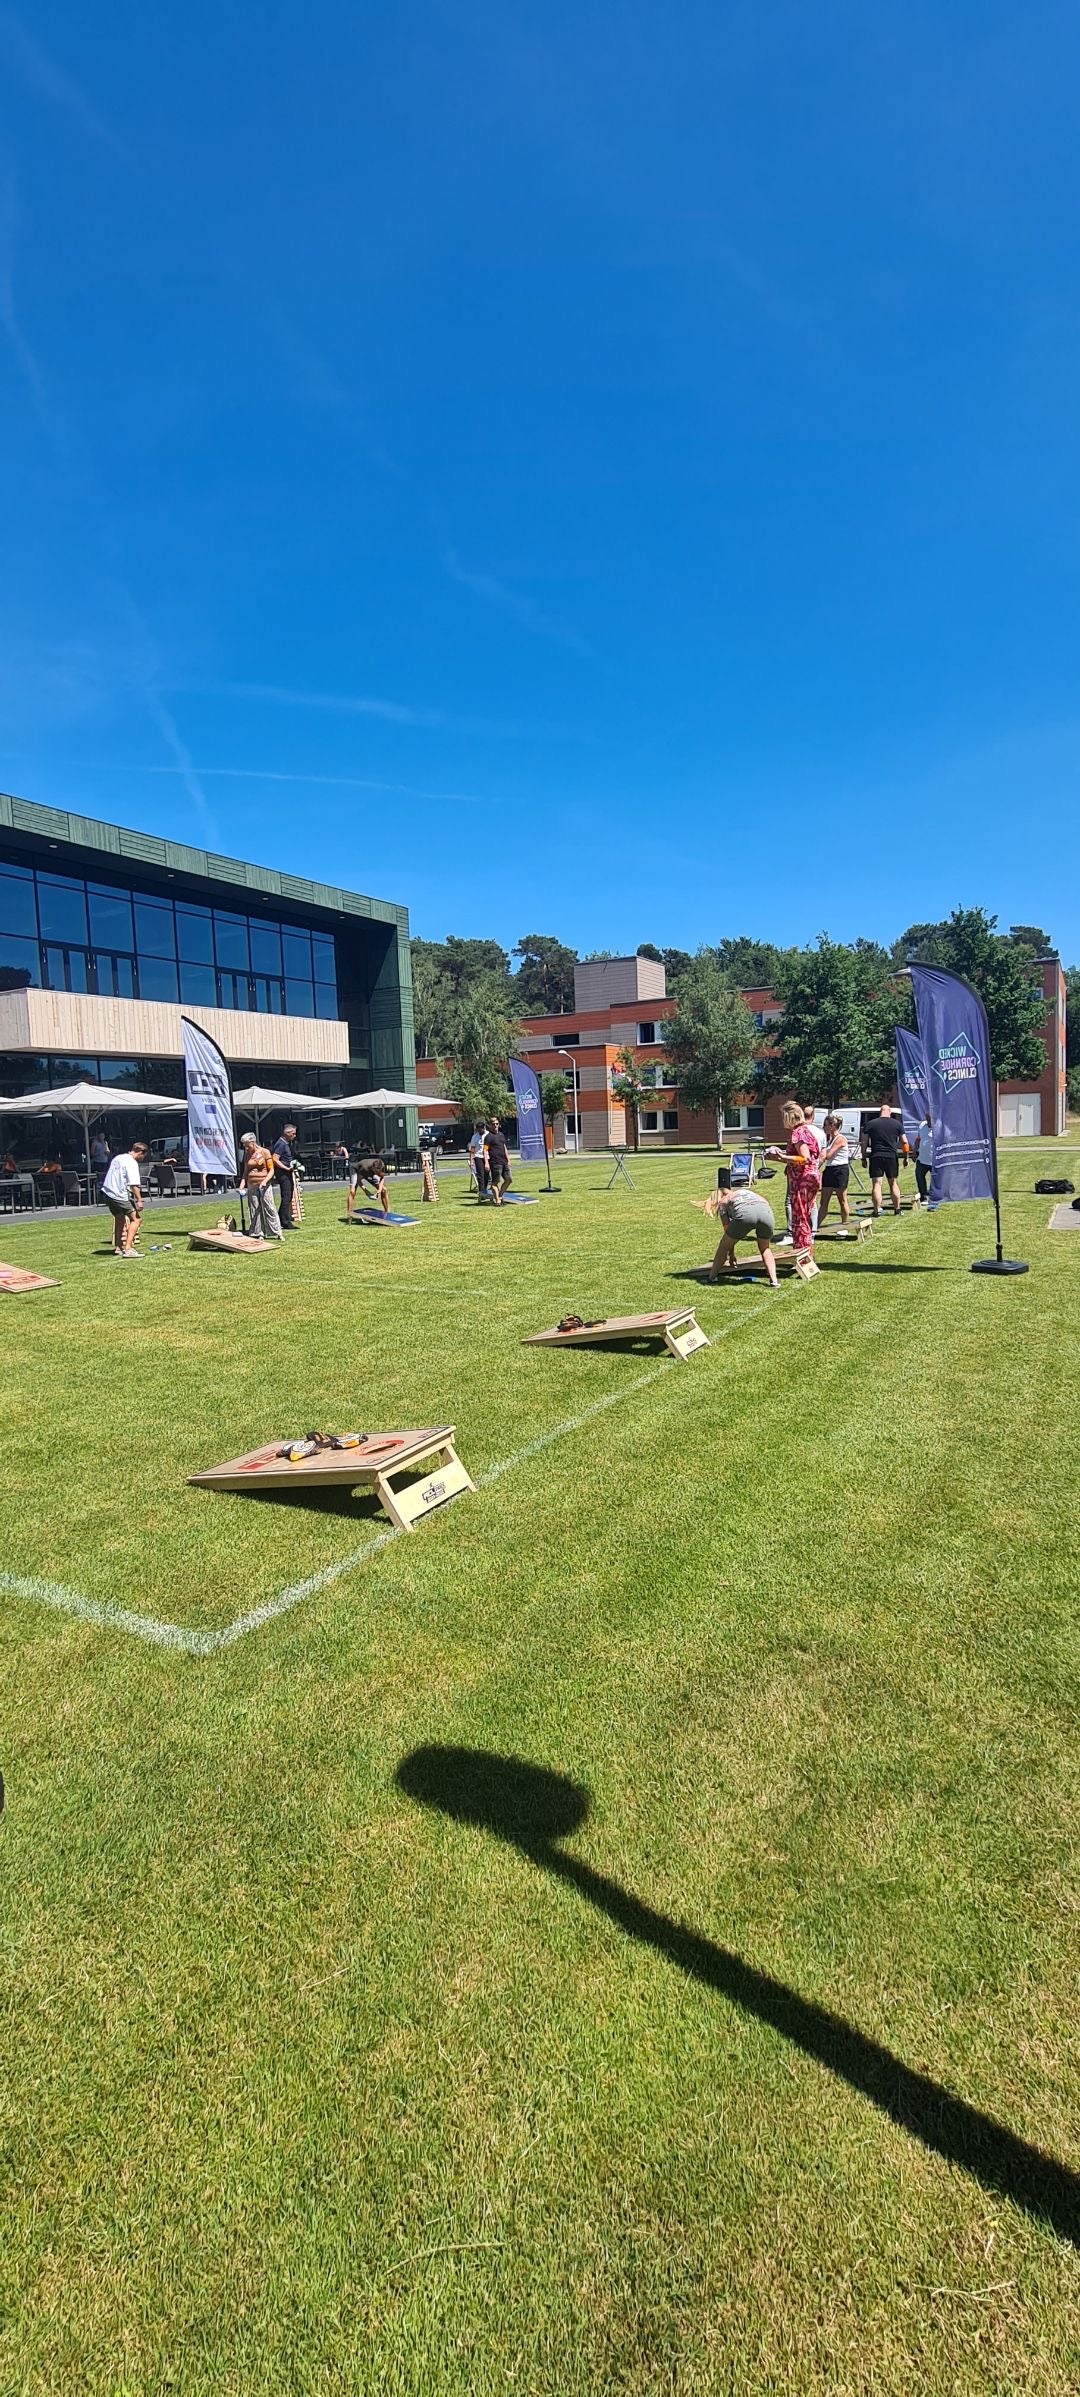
442	1480
805	1268
683	1343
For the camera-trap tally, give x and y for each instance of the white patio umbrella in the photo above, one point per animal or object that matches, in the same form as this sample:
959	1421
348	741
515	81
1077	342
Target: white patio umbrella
85	1099
381	1101
256	1100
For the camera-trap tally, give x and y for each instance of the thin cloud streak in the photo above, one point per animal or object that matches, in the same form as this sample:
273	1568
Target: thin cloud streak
334	782
9	319
41	75
387	711
512	603
185	765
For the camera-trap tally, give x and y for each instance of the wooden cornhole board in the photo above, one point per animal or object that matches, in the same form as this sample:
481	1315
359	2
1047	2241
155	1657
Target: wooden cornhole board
17	1278
374	1466
232	1244
378	1217
751	1269
677	1327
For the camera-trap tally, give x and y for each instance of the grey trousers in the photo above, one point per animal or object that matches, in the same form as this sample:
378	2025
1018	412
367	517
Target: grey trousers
262	1214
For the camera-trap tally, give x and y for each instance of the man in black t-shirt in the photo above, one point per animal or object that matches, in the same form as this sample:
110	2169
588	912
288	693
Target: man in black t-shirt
496	1160
883	1143
285	1177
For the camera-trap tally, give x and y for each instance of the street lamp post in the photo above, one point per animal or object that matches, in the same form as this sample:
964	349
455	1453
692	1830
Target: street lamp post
572	1063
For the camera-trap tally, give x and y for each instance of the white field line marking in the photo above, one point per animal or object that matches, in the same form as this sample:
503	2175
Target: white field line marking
191	1642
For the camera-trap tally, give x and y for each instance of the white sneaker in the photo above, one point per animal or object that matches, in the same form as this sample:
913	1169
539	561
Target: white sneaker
843	1235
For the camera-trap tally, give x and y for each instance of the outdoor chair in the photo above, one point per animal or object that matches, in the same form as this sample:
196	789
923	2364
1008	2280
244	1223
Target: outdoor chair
74	1188
165	1177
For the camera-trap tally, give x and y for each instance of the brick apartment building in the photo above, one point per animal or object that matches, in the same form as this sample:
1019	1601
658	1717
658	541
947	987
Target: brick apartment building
1034	1107
621	1003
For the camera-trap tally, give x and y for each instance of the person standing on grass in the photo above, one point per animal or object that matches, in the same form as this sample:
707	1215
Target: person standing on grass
884	1144
285	1177
924	1157
122	1193
802	1164
256	1176
496	1160
743	1214
835	1172
475	1154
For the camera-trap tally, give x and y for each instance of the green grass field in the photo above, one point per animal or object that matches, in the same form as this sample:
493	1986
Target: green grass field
728	2053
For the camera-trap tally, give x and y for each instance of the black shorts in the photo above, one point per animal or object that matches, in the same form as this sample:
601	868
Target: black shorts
835	1177
884	1169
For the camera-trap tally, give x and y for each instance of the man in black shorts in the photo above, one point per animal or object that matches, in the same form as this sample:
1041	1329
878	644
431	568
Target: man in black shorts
884	1144
496	1160
368	1176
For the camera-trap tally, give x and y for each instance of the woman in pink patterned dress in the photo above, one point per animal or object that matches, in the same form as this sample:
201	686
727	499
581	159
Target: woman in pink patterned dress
802	1161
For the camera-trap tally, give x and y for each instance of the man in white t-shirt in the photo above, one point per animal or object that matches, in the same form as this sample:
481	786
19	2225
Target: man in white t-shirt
122	1193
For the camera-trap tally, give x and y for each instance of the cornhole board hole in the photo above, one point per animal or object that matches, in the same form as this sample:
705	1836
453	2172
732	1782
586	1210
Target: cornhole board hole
17	1278
677	1327
375	1466
376	1216
231	1244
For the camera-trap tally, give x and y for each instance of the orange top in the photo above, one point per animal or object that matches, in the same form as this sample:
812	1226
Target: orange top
258	1167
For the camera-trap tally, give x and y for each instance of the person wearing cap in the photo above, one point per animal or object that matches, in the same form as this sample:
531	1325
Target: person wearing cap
256	1181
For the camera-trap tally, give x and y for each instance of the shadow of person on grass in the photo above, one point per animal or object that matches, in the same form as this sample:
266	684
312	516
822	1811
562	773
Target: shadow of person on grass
534	1810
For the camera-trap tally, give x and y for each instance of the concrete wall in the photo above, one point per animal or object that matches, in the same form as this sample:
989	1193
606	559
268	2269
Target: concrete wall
617	981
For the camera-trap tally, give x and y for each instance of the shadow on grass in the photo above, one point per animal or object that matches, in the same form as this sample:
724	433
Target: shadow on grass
534	1809
358	1502
745	1273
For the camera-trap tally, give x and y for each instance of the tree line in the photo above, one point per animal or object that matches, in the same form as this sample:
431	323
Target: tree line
841	1002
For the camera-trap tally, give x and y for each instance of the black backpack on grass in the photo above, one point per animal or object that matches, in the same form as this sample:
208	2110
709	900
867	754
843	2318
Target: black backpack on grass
1052	1189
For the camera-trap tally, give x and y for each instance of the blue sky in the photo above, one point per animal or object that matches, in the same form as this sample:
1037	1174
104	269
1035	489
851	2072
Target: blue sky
594	467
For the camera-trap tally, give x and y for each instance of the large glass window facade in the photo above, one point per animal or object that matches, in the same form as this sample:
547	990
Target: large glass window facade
60	933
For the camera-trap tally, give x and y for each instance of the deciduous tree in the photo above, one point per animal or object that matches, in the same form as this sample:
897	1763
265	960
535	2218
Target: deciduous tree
834	1041
635	1085
710	1040
1005	976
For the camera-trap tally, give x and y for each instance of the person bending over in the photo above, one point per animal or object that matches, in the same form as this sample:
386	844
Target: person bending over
745	1215
496	1160
368	1176
122	1193
835	1171
256	1177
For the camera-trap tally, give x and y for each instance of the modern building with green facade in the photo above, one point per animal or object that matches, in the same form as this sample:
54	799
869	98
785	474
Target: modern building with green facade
107	937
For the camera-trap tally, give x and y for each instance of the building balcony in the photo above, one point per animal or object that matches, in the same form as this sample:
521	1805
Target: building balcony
76	1024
